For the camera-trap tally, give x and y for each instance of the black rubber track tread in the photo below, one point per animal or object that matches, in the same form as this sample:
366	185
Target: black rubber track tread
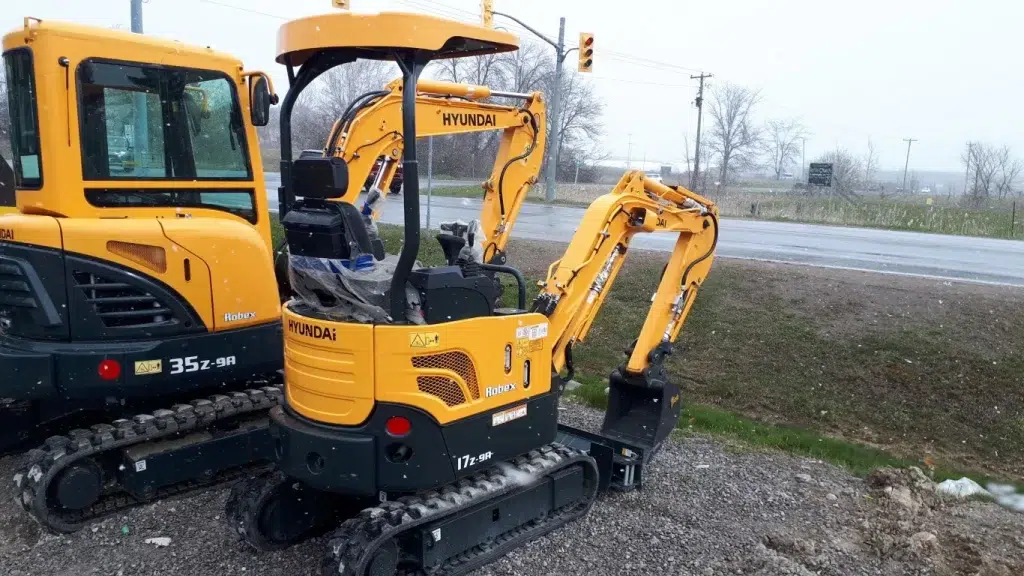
243	506
352	545
43	464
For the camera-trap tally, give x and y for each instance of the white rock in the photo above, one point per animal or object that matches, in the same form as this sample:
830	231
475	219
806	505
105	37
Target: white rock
159	541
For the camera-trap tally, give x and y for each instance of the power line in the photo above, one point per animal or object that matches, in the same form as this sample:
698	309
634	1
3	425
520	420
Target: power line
243	9
454	12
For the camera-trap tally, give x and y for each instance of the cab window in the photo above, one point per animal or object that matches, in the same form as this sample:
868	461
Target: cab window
143	122
24	129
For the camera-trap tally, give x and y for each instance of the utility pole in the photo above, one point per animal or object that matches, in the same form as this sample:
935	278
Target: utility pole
700	113
555	99
629	153
909	141
967	173
140	125
803	159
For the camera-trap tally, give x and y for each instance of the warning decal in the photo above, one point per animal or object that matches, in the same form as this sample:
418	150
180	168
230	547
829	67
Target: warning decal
424	340
534	332
144	367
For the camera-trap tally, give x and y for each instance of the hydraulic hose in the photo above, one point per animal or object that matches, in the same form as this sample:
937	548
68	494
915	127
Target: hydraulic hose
501	178
358	103
707	255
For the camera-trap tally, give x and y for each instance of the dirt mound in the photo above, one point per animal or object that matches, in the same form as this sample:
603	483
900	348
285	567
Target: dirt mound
910	523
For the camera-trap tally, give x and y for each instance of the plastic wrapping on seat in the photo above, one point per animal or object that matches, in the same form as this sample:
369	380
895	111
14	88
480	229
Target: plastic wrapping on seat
347	290
467	231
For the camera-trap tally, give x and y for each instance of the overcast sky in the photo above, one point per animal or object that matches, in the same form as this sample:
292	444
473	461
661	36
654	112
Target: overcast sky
941	71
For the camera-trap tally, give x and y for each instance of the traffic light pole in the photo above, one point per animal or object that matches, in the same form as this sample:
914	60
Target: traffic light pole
554	149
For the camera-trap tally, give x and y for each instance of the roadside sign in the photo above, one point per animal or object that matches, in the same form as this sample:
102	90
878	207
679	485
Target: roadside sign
820	174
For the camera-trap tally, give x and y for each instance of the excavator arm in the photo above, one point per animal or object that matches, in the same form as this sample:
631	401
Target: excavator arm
577	284
643	403
372	128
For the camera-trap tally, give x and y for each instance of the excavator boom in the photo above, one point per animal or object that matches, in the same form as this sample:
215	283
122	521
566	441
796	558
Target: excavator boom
372	128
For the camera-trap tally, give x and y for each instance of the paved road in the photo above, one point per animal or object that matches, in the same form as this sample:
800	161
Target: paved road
908	253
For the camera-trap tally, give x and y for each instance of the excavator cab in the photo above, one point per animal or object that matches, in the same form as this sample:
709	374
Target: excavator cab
137	265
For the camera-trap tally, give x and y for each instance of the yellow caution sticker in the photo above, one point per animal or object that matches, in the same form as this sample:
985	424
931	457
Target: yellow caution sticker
424	340
146	367
525	346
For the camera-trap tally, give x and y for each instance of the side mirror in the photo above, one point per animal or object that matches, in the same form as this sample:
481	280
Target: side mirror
259	101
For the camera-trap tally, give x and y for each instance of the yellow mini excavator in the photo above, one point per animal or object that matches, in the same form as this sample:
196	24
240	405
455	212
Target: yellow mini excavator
419	420
136	271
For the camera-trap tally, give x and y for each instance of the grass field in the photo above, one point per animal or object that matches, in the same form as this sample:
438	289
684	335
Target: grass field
906	213
861	370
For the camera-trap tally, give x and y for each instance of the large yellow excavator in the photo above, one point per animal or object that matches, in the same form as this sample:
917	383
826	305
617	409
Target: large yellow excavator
420	421
136	269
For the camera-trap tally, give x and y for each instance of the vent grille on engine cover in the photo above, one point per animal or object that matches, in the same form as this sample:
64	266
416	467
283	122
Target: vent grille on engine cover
444	388
15	291
121	305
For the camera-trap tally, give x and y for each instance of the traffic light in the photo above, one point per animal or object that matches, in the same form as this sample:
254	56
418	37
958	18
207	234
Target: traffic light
343	4
586	52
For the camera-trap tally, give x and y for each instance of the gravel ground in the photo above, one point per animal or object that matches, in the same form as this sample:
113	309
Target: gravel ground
707	508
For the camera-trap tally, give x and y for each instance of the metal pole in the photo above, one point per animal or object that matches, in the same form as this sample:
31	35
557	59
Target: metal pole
629	153
140	125
553	143
908	141
430	175
556	105
803	160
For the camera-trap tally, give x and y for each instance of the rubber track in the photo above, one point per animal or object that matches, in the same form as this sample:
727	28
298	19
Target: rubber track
352	545
59	452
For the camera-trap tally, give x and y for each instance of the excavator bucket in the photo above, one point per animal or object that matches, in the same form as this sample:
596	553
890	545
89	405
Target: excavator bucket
642	409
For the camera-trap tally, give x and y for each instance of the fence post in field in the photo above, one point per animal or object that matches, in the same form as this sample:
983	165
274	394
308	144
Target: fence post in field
1013	219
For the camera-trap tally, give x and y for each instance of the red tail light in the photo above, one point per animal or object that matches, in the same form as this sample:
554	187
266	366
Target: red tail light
398	426
109	369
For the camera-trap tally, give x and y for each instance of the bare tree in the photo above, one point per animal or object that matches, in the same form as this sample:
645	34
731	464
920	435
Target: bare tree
325	100
579	119
991	171
870	163
780	143
846	173
525	70
733	136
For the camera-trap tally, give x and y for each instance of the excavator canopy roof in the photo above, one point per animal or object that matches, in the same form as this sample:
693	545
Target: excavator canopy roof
373	36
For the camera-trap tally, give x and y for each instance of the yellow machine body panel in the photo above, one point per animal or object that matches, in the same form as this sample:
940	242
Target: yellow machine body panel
460	369
243	290
328	369
377	35
336	371
94	237
37	231
58	49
